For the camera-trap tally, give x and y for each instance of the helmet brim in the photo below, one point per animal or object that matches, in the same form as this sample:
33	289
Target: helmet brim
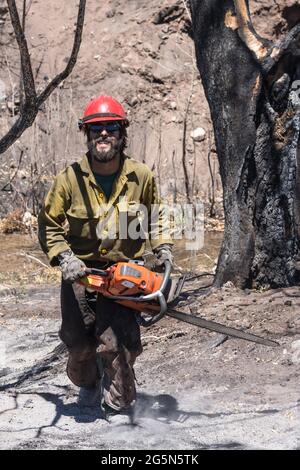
101	118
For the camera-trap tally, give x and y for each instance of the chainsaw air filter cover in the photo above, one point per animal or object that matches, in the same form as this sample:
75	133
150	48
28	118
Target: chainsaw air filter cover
132	279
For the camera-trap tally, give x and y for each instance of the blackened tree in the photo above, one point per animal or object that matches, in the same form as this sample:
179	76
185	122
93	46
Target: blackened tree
252	87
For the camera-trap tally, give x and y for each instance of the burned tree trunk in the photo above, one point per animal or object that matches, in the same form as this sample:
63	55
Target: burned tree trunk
251	87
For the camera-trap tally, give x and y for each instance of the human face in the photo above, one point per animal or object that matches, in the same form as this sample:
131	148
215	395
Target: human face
104	140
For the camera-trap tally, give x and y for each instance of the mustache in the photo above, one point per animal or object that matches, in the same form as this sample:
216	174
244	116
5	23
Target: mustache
102	139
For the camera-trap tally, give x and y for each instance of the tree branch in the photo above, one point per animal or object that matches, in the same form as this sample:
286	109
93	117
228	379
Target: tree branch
259	46
32	101
265	52
73	58
185	170
291	43
27	75
15	173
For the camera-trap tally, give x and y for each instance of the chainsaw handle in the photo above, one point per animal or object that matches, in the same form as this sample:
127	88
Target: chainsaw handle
168	269
163	308
159	295
163	286
98	272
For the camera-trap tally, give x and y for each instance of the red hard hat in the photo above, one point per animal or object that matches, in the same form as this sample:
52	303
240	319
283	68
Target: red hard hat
103	108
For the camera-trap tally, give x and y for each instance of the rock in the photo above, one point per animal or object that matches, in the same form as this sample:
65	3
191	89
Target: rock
141	86
132	101
198	134
150	49
173	105
124	68
289	303
7	290
228	285
97	57
110	13
163	37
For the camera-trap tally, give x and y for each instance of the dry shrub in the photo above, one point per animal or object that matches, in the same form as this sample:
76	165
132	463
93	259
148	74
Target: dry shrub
13	223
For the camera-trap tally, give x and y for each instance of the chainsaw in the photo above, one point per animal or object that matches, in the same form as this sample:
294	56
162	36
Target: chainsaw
133	285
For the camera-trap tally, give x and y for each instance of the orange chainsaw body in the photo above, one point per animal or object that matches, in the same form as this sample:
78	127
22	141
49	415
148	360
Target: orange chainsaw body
127	279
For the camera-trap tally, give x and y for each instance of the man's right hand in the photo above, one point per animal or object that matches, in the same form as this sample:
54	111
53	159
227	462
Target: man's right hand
72	268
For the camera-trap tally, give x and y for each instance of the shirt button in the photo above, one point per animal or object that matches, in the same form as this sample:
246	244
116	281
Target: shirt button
101	195
103	251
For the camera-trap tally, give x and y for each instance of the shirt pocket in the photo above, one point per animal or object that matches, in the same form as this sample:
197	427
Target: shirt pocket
82	224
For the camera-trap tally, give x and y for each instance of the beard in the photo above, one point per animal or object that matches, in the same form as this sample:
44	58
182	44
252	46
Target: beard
104	156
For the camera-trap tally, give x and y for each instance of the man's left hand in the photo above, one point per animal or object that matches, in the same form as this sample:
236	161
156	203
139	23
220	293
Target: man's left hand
164	253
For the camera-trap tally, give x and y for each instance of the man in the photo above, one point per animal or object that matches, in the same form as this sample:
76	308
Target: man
83	196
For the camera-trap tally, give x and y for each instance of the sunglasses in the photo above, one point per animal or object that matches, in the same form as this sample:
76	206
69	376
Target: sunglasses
97	128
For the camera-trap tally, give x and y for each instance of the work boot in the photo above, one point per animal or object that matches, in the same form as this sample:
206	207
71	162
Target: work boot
90	396
118	417
118	382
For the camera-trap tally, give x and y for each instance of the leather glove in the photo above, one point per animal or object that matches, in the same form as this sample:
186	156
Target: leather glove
72	268
164	253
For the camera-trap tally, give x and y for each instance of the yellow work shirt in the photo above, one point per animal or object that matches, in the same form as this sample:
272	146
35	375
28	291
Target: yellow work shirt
77	215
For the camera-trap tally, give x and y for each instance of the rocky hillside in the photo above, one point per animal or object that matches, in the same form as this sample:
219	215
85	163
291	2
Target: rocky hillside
142	53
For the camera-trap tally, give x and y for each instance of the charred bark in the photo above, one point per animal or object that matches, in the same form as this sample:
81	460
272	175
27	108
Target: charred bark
251	88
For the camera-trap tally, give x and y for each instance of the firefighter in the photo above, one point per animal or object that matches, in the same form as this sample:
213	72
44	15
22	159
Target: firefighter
74	232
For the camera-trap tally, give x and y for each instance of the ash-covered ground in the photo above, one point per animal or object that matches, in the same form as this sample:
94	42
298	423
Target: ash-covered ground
195	390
